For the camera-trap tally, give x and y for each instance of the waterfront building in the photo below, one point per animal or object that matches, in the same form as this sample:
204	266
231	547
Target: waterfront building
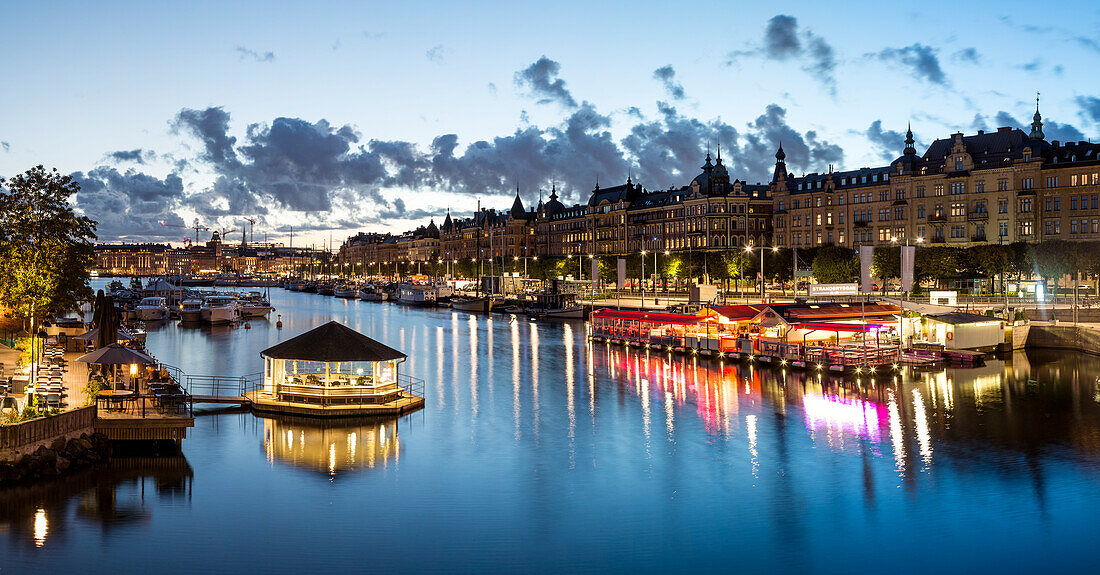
333	370
995	187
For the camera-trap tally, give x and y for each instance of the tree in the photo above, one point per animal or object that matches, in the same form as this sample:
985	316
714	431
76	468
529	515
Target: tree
886	264
937	263
45	249
1053	259
833	264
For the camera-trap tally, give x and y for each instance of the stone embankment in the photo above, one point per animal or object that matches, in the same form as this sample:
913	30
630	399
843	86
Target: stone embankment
60	457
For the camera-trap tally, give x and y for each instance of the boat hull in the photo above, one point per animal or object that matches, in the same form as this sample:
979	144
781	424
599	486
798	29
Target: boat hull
483	305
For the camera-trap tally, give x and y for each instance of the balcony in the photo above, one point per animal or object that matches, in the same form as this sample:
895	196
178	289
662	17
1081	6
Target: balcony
938	239
978	238
941	217
978	216
861	224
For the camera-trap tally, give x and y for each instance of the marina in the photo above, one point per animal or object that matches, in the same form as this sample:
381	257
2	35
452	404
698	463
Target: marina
760	456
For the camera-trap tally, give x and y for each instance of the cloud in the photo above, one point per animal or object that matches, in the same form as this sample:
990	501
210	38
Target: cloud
1090	108
888	144
211	126
435	53
669	150
130	205
249	54
967	56
1088	42
6	146
1051	129
540	78
667	76
921	61
138	156
783	41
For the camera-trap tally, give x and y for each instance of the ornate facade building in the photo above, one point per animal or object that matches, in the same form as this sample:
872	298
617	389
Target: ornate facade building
992	187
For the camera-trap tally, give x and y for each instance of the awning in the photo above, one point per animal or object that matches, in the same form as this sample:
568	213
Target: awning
646	316
856	327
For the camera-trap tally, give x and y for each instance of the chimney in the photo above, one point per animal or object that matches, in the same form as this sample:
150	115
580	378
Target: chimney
981	132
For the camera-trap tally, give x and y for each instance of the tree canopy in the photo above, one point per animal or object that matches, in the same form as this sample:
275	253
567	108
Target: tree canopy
45	247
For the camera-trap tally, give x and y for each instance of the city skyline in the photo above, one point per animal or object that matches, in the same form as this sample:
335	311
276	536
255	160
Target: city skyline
233	122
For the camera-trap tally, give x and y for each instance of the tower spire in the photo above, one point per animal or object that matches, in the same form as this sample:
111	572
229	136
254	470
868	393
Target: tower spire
1037	122
909	149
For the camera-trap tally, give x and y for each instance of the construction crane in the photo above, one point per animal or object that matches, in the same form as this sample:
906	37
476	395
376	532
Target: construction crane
251	224
195	227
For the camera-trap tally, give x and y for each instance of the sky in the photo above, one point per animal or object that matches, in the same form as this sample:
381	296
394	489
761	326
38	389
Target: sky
325	119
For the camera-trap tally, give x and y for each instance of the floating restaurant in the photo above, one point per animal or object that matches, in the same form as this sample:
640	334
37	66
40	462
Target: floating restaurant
335	371
828	335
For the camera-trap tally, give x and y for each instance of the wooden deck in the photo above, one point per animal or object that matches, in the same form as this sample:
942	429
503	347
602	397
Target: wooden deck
266	403
142	421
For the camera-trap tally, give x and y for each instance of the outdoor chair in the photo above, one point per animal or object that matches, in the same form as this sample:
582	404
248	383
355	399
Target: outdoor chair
53	400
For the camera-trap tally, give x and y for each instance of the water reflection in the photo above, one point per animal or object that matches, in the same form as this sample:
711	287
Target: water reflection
331	447
126	491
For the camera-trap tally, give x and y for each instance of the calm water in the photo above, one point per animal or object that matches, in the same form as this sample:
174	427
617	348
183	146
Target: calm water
539	453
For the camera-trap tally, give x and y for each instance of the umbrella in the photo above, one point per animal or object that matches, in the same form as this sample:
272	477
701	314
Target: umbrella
115	354
92	334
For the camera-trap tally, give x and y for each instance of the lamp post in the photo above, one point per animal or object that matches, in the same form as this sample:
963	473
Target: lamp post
643	279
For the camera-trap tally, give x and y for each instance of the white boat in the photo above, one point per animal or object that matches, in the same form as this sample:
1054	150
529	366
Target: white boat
410	294
219	309
347	291
370	293
191	311
152	309
255	305
480	304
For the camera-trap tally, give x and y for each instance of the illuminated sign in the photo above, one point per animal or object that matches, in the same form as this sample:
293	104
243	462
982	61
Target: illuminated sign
818	290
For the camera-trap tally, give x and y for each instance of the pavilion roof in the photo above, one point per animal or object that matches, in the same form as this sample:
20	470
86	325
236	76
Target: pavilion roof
332	342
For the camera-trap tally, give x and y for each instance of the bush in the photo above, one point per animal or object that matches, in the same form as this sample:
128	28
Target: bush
1019	316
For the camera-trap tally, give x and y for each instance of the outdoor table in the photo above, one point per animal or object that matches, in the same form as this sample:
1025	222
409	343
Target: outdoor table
116	396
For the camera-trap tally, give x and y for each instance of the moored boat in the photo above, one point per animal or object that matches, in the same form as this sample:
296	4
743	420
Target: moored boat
476	304
191	311
151	309
346	291
220	309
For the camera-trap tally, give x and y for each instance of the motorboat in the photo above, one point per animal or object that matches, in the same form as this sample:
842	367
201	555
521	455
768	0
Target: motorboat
476	304
152	309
411	294
191	311
255	305
220	309
372	293
346	290
325	288
556	305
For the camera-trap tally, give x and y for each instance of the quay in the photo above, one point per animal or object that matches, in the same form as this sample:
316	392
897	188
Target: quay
826	336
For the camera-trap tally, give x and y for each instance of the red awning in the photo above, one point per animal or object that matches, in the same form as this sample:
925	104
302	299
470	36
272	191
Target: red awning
738	312
645	316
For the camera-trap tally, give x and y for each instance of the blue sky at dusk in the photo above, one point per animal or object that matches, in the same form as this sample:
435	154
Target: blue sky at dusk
355	116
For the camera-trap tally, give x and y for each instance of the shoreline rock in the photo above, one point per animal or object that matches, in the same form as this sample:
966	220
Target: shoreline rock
62	457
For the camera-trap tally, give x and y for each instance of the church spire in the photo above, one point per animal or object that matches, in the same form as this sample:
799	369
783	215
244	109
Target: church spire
780	173
1037	122
909	149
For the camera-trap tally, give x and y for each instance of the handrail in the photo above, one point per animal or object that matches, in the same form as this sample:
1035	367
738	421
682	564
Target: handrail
139	404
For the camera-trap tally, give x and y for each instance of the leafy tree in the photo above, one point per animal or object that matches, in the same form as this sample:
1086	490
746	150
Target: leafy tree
1054	259
834	264
45	248
886	264
938	263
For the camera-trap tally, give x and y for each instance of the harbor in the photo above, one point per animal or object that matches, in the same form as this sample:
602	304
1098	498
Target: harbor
710	440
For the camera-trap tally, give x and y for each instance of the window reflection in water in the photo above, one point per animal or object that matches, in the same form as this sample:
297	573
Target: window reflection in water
331	447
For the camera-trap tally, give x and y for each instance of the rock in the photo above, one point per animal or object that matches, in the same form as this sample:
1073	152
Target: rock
58	445
93	457
72	448
48	458
84	442
62	464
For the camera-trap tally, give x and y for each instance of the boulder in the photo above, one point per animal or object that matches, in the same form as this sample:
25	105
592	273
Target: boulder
62	464
58	445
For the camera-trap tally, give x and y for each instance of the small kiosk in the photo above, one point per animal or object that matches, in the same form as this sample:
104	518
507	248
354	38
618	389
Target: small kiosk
334	370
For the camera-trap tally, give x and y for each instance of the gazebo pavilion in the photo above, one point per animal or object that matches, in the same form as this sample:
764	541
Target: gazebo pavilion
332	365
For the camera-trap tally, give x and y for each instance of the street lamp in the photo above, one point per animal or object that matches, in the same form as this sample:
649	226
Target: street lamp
901	317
